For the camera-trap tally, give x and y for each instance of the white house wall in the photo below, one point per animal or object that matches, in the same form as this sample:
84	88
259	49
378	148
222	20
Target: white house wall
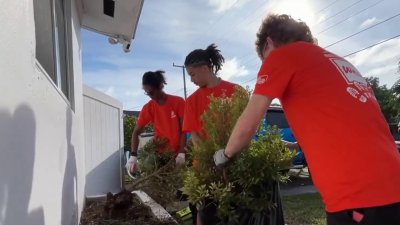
42	173
103	143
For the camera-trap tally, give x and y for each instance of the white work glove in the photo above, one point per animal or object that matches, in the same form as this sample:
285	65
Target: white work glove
132	164
180	159
220	159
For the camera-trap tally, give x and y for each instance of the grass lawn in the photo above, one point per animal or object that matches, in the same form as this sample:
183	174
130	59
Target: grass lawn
306	209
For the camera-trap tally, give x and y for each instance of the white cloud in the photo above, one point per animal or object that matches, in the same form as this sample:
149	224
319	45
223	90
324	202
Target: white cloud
225	5
377	54
368	22
132	94
232	68
380	61
188	25
299	9
382	70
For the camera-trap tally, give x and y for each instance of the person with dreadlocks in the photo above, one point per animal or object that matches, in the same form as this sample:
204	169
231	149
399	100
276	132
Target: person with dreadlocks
202	66
165	113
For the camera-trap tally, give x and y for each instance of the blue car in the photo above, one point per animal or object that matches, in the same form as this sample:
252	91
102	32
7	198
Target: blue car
276	116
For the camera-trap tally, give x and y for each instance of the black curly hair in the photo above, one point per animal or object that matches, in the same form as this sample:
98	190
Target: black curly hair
211	56
154	79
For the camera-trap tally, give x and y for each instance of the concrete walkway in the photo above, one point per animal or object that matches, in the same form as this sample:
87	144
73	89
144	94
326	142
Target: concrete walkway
299	183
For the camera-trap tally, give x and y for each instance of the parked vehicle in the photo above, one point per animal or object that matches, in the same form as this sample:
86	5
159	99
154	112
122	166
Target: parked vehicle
276	117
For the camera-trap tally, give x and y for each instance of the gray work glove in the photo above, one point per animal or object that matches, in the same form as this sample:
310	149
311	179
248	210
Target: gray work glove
220	159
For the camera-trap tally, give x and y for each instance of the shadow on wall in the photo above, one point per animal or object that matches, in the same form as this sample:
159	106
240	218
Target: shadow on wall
17	158
69	207
105	177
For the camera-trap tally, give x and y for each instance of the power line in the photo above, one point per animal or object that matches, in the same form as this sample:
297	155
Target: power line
233	28
352	35
223	15
248	80
373	45
323	9
363	30
208	29
256	17
347	55
355	14
338	13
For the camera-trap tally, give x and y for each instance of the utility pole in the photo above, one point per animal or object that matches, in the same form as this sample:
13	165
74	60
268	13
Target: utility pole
184	77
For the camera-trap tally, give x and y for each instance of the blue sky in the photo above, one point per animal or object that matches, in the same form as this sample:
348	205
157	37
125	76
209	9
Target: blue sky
169	30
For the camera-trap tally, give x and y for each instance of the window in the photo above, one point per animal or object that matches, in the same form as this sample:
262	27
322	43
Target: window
277	118
52	42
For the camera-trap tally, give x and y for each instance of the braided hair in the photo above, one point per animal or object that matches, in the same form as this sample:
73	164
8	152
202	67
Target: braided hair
211	57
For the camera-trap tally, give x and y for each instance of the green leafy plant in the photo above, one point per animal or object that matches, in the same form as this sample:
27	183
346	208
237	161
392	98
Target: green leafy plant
159	176
247	183
129	126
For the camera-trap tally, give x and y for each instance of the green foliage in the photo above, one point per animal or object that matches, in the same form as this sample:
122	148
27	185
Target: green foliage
388	99
129	126
160	178
150	159
396	86
248	180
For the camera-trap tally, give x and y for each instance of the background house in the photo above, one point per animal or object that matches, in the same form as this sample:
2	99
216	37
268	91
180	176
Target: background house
44	170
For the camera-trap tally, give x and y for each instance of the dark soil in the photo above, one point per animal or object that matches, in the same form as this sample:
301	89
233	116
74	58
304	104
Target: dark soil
123	208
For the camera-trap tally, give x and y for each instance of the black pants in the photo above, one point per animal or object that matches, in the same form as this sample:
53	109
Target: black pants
382	215
193	211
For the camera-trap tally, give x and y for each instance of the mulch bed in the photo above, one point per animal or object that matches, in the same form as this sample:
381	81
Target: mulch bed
123	208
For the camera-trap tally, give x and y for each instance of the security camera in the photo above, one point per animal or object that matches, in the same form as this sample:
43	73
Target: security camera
112	40
126	46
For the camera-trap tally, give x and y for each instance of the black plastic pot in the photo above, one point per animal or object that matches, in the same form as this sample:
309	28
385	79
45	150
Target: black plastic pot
274	216
208	213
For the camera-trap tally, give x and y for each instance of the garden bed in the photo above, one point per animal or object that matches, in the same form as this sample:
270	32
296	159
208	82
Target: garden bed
125	208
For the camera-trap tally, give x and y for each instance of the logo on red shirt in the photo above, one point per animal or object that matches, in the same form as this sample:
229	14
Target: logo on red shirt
173	115
262	79
357	85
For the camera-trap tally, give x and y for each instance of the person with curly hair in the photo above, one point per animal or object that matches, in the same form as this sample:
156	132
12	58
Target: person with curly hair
336	119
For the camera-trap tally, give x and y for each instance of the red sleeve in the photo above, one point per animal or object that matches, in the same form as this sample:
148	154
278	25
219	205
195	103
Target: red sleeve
181	108
144	116
191	121
274	75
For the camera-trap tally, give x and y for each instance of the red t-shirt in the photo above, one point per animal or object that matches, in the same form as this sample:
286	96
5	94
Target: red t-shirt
197	104
165	119
337	121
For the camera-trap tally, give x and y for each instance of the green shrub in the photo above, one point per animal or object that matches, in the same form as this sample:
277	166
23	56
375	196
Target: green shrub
248	180
129	126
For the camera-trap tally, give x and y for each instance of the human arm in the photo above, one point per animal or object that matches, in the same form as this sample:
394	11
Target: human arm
180	158
195	137
132	163
245	128
247	124
135	139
